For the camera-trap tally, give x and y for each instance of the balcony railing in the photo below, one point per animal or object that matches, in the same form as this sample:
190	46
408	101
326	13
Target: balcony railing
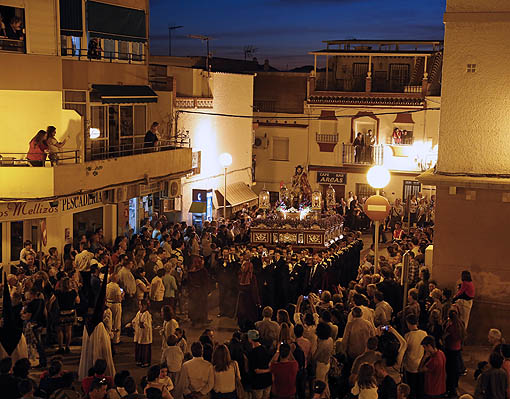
362	155
17	46
102	55
101	150
20	159
326	138
194	102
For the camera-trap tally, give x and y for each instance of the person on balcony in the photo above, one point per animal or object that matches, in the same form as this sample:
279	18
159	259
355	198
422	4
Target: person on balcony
54	145
14	30
38	148
151	138
358	148
369	142
3	33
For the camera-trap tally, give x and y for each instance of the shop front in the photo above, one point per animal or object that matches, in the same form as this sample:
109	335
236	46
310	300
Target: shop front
52	223
337	180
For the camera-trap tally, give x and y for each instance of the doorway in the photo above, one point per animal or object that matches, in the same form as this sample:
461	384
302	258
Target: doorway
339	191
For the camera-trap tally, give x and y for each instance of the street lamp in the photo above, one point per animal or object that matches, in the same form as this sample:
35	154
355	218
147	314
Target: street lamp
225	161
377	208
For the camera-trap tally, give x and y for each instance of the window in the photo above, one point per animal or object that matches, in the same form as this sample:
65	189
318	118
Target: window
70	46
471	68
16	240
411	187
399	76
364	190
12	32
109	49
280	148
123	50
122	130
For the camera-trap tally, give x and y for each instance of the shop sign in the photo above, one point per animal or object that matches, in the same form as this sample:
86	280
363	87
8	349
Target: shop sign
331	178
42	209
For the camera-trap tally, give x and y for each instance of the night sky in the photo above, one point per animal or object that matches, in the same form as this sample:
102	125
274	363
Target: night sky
284	31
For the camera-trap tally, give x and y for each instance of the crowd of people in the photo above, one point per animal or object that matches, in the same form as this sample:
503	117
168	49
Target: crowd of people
310	323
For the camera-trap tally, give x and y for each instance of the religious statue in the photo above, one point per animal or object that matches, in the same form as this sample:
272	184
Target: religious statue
301	189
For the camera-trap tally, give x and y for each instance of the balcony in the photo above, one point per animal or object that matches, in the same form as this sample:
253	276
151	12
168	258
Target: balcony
362	98
73	176
17	46
362	155
128	55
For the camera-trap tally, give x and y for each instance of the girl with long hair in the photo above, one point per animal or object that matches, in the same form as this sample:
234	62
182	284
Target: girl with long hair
54	146
366	385
454	335
37	149
67	299
226	371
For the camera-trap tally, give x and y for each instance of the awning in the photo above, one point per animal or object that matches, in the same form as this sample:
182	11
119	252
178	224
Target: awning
198	207
237	194
114	22
71	18
404	118
117	94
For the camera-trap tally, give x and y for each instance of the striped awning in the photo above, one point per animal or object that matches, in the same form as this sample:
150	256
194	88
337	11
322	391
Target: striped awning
237	194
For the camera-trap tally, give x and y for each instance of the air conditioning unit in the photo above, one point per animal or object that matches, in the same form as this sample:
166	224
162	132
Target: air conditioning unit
171	189
171	205
261	142
121	194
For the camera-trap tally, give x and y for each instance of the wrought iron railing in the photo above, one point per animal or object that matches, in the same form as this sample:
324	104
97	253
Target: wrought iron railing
100	54
21	159
362	155
101	149
17	46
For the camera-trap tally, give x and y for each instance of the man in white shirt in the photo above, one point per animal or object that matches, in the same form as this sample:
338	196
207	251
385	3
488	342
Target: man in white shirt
413	356
82	260
27	250
197	375
366	313
113	301
383	310
128	284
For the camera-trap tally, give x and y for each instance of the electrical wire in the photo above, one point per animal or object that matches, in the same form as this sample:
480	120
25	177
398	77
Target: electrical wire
301	117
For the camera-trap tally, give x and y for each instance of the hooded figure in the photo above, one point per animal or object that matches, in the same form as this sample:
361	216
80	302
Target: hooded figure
12	340
96	340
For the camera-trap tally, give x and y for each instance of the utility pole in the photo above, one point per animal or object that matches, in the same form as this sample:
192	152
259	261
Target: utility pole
170	29
206	39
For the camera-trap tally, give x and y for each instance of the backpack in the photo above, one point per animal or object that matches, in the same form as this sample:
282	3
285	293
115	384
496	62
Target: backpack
335	368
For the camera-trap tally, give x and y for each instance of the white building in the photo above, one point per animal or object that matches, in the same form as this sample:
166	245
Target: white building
213	109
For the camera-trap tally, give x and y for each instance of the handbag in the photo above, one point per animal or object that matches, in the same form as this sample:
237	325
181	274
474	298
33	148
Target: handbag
239	385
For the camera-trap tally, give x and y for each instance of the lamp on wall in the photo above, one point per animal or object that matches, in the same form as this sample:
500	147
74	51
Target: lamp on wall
94	133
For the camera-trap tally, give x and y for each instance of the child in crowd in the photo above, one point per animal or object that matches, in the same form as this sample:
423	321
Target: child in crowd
142	324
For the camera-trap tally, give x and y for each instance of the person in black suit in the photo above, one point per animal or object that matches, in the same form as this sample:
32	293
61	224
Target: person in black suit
391	290
281	276
266	281
296	277
226	276
314	274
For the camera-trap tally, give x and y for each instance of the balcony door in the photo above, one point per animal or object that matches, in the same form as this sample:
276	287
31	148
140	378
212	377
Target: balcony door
399	77
359	74
122	130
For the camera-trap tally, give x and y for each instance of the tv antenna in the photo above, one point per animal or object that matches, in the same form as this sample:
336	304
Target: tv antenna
170	29
206	39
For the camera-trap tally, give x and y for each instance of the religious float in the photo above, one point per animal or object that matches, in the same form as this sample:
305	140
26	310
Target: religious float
298	218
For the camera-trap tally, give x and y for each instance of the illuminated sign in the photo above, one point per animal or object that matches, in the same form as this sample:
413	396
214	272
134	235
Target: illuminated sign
331	178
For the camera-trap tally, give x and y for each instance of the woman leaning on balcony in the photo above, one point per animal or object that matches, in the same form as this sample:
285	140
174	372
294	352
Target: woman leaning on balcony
38	148
54	146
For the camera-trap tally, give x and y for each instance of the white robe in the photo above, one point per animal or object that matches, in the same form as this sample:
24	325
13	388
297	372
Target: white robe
93	347
20	352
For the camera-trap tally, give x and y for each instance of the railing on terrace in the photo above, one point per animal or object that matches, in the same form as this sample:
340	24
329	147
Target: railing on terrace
102	55
400	141
17	46
101	150
362	155
359	86
194	102
20	159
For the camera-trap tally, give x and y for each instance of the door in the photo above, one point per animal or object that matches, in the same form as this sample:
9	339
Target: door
339	191
399	77
359	74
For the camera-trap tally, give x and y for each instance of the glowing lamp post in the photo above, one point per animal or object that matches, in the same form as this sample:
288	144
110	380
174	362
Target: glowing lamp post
225	161
377	208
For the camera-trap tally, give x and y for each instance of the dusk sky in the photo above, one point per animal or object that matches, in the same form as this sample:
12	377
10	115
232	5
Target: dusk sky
284	31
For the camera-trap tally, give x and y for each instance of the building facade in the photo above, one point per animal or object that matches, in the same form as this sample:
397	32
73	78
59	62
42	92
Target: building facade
473	186
369	88
81	66
214	111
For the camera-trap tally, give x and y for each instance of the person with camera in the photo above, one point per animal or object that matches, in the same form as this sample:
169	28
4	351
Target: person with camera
284	370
